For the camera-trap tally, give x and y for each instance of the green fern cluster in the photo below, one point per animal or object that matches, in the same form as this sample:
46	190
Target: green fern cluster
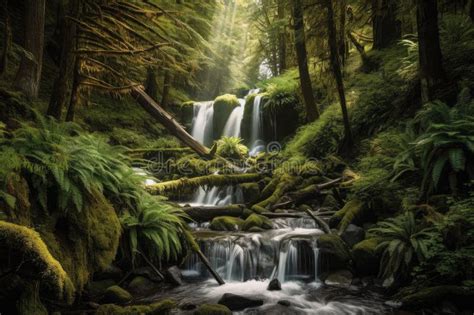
232	147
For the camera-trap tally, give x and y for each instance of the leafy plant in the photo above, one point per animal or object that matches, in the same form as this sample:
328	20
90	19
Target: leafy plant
409	66
456	30
403	242
231	147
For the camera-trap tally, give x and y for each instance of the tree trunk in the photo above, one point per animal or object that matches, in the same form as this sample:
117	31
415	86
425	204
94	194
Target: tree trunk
386	26
168	121
29	74
312	111
59	95
342	31
281	36
337	71
431	60
151	87
166	88
74	91
7	39
207	213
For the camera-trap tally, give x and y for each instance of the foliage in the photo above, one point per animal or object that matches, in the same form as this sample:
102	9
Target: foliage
231	147
456	31
409	67
403	242
154	232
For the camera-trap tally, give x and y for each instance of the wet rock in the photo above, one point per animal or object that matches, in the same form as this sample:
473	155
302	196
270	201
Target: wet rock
274	285
365	257
284	303
116	295
110	272
163	307
187	307
258	221
353	235
226	224
341	279
141	285
334	252
173	275
237	302
213	309
96	288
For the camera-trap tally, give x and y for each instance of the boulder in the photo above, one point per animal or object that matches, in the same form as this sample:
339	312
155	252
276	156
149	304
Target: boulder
173	275
256	220
365	257
141	285
284	303
116	295
353	235
159	308
96	288
340	278
226	223
213	309
237	302
274	285
334	253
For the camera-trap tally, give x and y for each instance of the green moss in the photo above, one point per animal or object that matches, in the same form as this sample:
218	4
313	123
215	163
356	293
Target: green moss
286	183
365	256
186	113
232	147
29	243
348	213
96	288
223	107
116	294
213	309
160	308
334	251
226	224
29	301
258	221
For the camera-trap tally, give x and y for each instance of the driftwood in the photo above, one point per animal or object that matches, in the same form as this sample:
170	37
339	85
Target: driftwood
195	247
155	110
209	180
319	222
207	213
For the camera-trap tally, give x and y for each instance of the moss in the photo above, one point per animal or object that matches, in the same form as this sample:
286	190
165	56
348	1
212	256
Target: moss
286	183
365	256
250	191
226	224
330	202
334	252
29	301
258	221
351	210
96	288
116	294
223	107
186	113
213	309
160	308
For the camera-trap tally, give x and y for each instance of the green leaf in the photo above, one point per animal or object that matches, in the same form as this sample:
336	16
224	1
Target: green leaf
457	159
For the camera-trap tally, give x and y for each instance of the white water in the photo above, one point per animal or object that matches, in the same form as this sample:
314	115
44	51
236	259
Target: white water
217	196
232	126
203	122
256	142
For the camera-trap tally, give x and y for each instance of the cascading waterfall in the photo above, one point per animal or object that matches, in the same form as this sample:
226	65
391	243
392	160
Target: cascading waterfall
232	126
218	196
202	122
256	143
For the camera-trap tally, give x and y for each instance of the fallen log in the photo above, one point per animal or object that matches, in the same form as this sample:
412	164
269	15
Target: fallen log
168	121
195	247
207	180
207	213
319	222
272	215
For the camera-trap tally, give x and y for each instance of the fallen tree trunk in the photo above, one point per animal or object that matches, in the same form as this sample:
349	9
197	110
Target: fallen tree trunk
207	213
272	215
195	247
209	180
155	110
319	222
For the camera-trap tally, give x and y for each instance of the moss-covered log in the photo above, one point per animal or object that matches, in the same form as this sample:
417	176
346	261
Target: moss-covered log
323	225
207	213
208	180
286	183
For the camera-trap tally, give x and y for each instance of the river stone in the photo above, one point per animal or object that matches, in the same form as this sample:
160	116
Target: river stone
237	302
213	309
353	235
141	285
173	275
284	303
116	295
340	278
274	285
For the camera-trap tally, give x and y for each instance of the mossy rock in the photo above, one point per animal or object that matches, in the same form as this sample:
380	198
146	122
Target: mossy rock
160	308
250	191
226	223
365	257
29	301
97	288
223	107
352	212
186	113
330	202
257	221
213	309
335	253
426	297
116	294
141	285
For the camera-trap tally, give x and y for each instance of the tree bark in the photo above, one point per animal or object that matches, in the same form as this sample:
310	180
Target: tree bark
67	62
324	226
207	213
342	31
166	88
432	73
312	111
151	87
74	91
281	36
337	71
386	26
29	74
7	39
168	121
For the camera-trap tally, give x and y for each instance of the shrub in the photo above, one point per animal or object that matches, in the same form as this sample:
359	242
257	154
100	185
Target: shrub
232	147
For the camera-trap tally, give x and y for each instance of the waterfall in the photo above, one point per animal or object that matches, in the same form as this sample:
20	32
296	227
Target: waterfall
256	142
298	260
218	196
202	122
232	126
